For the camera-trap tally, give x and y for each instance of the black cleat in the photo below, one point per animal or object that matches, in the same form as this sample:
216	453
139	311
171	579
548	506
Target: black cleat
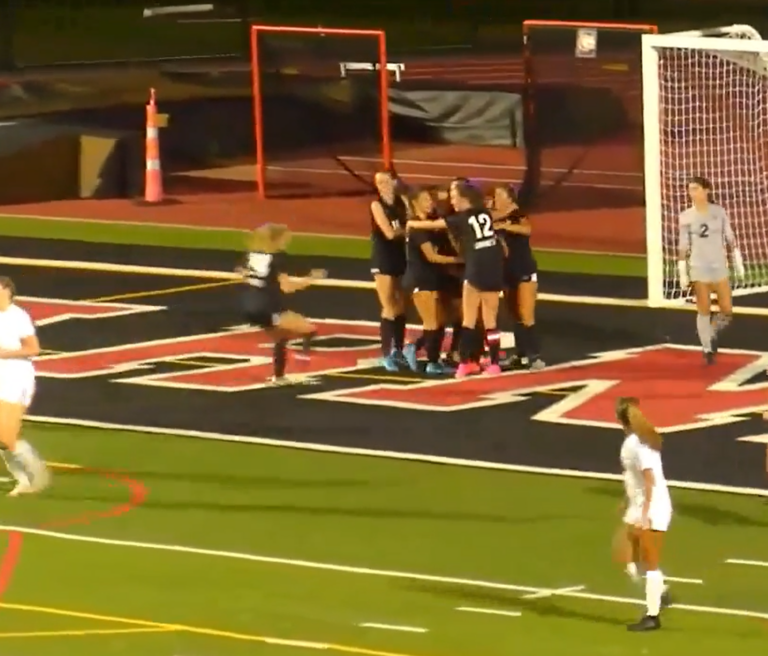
648	623
709	357
666	600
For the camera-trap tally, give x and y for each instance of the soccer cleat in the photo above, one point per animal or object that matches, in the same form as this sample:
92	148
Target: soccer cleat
467	369
278	380
647	623
390	363
22	487
492	370
409	353
537	364
436	369
709	357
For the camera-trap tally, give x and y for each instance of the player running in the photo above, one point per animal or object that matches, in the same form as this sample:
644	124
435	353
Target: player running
648	509
265	274
18	345
705	232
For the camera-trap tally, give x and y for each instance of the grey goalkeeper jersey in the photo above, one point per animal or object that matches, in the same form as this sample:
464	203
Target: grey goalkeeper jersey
705	234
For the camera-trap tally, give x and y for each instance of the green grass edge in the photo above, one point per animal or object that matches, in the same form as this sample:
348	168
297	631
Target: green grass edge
137	234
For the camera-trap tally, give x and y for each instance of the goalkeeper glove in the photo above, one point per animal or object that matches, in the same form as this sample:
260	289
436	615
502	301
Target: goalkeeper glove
682	269
738	262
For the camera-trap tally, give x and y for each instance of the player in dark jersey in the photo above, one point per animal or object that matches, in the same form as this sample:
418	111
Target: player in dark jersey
388	215
426	277
520	274
483	254
264	272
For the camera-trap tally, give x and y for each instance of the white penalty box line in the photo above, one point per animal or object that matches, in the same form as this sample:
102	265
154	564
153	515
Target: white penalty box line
531	591
334	283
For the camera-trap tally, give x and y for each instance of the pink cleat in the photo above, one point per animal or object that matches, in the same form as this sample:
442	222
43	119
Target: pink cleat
467	369
492	370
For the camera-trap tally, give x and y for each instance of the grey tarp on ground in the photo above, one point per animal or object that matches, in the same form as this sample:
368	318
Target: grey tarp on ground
480	118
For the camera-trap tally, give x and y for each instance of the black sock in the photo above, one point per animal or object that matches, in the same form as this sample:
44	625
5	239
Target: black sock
479	343
440	338
433	345
532	342
387	333
467	347
306	342
456	331
521	340
278	358
421	340
399	335
493	339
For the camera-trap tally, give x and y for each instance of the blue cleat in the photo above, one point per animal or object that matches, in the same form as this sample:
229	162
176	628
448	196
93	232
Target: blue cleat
409	353
437	369
390	363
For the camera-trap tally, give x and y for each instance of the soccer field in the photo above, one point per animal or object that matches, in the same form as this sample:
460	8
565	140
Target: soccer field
317	517
178	546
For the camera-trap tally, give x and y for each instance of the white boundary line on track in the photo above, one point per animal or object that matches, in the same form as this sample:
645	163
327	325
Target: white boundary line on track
392	455
334	283
395	574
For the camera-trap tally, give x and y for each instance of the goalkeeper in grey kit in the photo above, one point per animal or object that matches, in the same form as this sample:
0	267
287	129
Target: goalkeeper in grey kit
705	235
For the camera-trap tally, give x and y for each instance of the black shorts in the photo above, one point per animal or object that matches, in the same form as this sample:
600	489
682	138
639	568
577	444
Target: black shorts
451	286
260	311
513	278
421	279
388	263
488	278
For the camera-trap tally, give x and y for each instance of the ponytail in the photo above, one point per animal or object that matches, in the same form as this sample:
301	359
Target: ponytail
634	421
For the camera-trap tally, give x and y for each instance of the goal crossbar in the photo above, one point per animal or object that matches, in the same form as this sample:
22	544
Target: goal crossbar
704	114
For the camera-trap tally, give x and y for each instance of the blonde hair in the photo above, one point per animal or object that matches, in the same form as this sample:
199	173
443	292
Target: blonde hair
267	238
632	418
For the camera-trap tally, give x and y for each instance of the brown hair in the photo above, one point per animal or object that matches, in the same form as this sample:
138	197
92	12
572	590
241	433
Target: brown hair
471	193
267	238
634	421
7	283
414	193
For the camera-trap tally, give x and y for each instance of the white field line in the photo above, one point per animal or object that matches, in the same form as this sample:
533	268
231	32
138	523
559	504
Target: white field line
392	455
543	594
393	627
489	611
334	283
752	563
677	579
348	569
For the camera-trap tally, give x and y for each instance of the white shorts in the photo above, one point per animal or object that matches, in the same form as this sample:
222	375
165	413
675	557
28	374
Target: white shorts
659	517
18	388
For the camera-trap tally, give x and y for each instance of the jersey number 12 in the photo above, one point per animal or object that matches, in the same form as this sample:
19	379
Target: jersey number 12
482	224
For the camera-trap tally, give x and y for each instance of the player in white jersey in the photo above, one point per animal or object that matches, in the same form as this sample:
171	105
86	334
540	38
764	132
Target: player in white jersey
648	510
705	235
18	345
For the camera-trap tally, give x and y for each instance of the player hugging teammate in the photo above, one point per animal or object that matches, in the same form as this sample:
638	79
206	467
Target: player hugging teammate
453	253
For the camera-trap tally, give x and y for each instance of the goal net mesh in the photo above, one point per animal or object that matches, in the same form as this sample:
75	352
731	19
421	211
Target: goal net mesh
714	123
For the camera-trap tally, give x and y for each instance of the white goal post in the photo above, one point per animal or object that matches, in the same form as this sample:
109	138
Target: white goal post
705	112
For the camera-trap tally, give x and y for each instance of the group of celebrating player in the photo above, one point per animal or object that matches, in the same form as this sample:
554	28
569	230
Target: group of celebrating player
453	251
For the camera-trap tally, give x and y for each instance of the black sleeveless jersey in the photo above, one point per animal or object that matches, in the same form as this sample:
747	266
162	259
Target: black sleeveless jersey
262	271
388	255
480	247
521	259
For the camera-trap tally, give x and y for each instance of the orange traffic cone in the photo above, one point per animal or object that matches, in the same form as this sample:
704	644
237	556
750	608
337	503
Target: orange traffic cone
153	176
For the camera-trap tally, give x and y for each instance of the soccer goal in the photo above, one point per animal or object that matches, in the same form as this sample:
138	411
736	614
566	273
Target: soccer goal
705	112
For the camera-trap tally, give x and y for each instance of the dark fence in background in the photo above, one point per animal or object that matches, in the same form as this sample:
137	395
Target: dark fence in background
46	32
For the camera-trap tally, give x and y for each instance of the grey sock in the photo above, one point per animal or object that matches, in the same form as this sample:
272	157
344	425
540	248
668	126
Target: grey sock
704	328
721	322
17	470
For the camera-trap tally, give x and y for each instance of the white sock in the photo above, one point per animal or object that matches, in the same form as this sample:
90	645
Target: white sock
633	572
28	457
654	589
15	467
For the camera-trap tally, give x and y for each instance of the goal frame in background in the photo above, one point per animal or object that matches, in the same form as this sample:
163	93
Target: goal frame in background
707	40
379	35
532	181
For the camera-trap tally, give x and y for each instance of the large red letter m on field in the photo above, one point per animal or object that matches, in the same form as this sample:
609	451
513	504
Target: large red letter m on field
676	391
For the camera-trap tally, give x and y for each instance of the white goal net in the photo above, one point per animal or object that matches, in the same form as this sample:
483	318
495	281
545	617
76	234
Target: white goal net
705	96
